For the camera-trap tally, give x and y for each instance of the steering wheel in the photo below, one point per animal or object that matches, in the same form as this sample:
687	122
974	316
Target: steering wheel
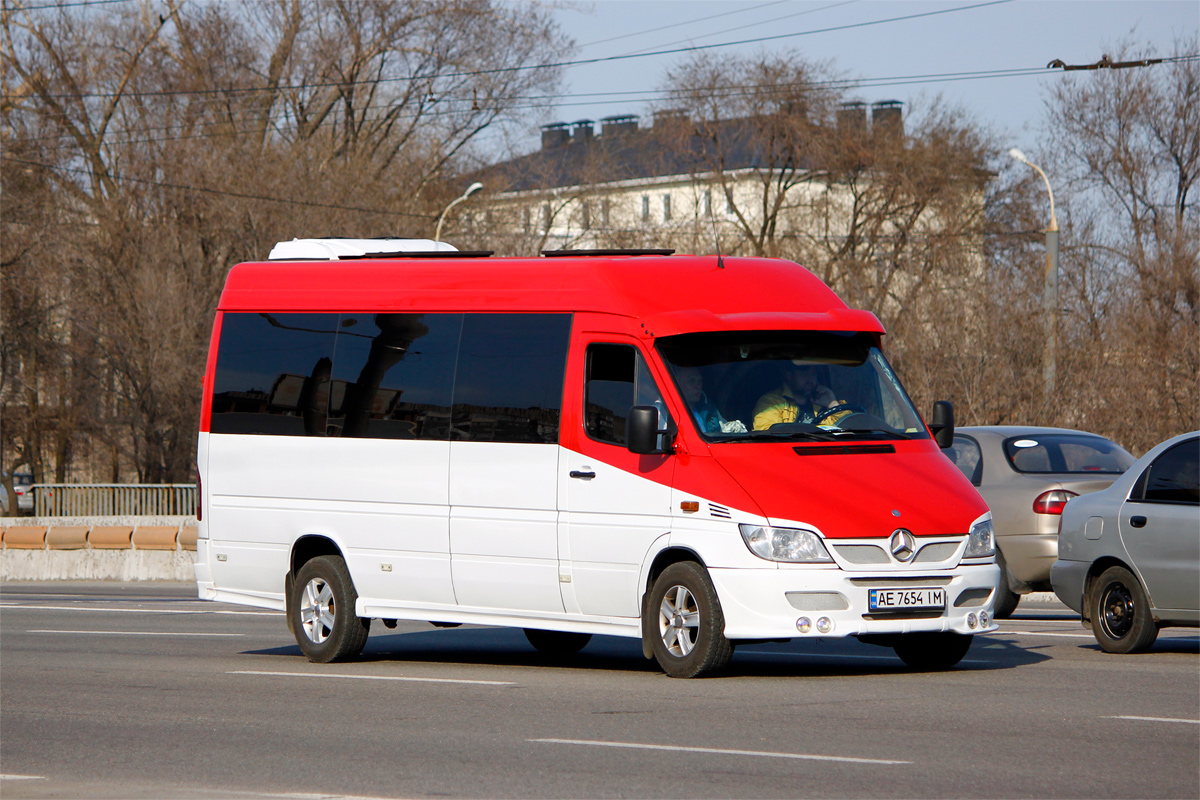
829	412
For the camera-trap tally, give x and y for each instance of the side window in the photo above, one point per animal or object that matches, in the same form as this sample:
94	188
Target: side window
967	457
618	378
273	374
509	381
1173	477
393	375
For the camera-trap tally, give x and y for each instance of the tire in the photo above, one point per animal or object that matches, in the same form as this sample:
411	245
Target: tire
557	643
684	623
931	652
323	621
1006	598
1120	613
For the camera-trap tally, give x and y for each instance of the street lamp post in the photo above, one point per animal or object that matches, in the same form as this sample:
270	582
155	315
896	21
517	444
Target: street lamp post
472	189
1050	293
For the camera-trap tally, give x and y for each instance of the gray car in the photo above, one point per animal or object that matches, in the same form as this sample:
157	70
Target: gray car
1129	556
1026	475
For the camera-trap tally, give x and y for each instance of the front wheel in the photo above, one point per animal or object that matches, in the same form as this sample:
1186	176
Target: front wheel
1006	598
1120	613
322	606
932	651
684	623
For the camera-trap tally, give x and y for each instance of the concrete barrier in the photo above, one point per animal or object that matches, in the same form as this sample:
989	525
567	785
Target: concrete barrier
98	548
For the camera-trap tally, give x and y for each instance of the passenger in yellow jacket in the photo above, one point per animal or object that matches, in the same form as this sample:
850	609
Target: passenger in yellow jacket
801	398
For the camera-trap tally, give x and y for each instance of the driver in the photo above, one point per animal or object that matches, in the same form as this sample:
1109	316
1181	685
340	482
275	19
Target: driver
801	398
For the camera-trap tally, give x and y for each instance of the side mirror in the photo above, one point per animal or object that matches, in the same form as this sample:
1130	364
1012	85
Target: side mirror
942	424
641	430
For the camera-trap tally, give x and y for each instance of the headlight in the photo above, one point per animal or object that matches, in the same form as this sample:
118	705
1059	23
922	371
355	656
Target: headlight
785	544
982	542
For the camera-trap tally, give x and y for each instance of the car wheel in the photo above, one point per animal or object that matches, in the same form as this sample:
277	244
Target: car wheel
1120	613
931	651
684	623
324	622
557	643
1006	598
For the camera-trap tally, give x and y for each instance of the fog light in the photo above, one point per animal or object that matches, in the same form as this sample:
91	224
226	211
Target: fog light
983	619
824	625
971	621
804	624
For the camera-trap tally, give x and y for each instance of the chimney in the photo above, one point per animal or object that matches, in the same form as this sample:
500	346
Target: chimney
886	120
582	131
852	118
554	135
670	116
618	125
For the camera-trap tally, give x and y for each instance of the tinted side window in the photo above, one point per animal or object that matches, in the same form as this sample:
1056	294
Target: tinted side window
966	456
393	375
273	373
617	379
1174	477
509	382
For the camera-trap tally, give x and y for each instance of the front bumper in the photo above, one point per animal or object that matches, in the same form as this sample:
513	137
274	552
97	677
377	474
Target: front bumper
767	603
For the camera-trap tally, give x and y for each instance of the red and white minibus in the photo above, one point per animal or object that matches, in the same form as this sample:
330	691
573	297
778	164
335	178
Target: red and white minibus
695	451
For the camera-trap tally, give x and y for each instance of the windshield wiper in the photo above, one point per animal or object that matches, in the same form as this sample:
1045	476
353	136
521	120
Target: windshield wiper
758	436
889	431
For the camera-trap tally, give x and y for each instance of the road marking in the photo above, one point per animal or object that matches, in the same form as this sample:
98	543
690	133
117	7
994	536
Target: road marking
1160	719
719	751
841	655
369	677
138	633
22	777
144	610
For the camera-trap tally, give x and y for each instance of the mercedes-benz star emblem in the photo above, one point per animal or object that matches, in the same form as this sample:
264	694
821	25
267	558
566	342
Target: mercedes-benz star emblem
903	545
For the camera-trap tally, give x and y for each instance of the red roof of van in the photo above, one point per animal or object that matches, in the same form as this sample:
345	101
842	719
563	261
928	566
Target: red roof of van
670	294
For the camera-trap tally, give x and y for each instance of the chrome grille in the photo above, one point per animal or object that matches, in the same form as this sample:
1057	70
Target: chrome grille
862	553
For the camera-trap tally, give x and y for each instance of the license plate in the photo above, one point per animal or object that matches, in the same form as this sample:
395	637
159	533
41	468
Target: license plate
918	599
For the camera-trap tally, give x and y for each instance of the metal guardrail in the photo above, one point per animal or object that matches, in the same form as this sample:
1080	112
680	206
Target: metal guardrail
113	499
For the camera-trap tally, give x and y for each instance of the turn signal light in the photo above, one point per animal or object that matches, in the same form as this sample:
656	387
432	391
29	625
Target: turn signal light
1052	502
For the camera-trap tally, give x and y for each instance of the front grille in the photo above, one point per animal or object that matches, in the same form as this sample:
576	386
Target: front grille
971	598
817	601
862	553
936	552
901	580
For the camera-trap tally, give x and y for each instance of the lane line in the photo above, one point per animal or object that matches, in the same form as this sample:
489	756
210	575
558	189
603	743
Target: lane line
144	610
719	751
137	633
369	677
4	777
1159	719
1046	633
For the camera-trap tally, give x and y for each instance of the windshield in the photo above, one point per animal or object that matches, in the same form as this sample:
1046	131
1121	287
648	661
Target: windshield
789	385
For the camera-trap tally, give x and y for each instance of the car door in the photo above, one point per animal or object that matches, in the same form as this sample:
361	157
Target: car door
504	461
1160	526
616	503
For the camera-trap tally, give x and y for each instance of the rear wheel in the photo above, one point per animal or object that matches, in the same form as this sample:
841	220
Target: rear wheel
684	623
1120	613
557	643
1006	598
931	651
323	599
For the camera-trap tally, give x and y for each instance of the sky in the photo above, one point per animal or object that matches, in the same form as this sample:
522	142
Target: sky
964	36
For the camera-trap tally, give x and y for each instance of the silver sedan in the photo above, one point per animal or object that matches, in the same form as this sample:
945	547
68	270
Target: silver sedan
1026	475
1129	556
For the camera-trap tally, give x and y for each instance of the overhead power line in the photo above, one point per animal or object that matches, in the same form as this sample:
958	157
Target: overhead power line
528	67
222	192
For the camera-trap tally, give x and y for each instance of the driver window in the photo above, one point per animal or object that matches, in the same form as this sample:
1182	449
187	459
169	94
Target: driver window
617	379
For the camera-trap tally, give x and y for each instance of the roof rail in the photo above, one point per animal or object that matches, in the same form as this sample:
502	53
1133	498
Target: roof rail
612	252
336	249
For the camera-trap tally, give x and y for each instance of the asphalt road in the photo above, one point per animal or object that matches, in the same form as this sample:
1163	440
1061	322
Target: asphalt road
136	691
